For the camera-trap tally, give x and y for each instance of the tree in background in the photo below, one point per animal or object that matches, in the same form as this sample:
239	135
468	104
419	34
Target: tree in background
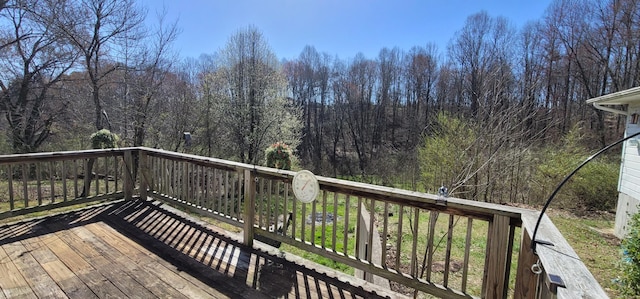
33	64
309	82
98	28
148	71
176	110
251	94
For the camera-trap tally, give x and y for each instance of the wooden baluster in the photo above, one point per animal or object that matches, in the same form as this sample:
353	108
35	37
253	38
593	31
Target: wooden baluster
414	244
385	233
11	199
52	172
399	237
345	233
249	206
335	222
64	181
25	181
128	175
324	217
447	259
467	249
433	220
38	183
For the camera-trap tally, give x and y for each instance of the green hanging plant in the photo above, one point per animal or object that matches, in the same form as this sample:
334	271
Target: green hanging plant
104	139
278	155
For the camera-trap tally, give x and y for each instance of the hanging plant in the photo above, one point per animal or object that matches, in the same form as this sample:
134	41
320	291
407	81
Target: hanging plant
278	155
104	139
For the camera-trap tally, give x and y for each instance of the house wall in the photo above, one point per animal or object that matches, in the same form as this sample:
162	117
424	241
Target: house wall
629	183
627	205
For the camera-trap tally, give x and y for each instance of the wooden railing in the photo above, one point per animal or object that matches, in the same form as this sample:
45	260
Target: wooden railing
44	181
452	249
460	249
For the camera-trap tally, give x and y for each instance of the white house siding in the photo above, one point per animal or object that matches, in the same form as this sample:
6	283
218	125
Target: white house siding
626	206
629	186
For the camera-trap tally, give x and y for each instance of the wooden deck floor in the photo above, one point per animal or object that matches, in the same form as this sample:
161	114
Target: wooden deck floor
138	249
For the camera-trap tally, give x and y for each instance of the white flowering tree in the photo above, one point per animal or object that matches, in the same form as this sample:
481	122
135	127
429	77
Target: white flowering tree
250	96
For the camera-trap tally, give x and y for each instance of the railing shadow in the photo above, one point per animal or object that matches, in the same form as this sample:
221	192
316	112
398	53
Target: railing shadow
39	226
213	258
220	261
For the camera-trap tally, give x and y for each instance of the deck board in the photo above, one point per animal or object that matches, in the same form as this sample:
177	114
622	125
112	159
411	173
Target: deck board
141	249
15	284
41	284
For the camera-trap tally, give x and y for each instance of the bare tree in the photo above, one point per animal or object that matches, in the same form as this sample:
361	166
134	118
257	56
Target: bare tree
421	74
98	29
360	109
32	66
387	93
309	82
152	66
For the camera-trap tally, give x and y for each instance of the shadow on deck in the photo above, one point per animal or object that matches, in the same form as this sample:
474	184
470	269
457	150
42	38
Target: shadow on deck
141	249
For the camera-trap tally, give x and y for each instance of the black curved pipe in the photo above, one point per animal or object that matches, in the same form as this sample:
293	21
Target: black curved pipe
534	242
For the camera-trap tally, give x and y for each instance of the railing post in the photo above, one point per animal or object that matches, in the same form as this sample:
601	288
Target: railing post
143	165
249	205
128	175
526	280
497	249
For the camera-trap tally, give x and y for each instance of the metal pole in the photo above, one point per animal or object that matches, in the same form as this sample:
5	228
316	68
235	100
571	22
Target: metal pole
534	242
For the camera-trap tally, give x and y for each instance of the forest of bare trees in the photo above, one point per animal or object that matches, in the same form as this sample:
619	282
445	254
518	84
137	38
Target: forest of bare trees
490	116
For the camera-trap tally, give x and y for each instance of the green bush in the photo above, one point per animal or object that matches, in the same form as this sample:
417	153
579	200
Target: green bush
629	281
594	187
446	155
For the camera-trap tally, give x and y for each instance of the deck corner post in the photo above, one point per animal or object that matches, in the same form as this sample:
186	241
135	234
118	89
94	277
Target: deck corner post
526	280
128	175
249	205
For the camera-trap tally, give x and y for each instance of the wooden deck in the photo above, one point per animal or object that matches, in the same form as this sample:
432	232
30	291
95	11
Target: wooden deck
139	249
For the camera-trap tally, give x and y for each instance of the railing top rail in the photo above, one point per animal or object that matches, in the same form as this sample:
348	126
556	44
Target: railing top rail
53	156
218	163
562	261
454	206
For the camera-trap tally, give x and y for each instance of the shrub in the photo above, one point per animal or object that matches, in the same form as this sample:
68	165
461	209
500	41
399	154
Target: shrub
445	153
591	188
629	281
595	185
278	155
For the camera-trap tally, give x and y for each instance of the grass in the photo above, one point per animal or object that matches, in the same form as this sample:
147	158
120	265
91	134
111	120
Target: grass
407	237
590	237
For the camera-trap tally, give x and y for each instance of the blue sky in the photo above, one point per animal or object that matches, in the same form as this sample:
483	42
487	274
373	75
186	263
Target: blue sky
338	27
